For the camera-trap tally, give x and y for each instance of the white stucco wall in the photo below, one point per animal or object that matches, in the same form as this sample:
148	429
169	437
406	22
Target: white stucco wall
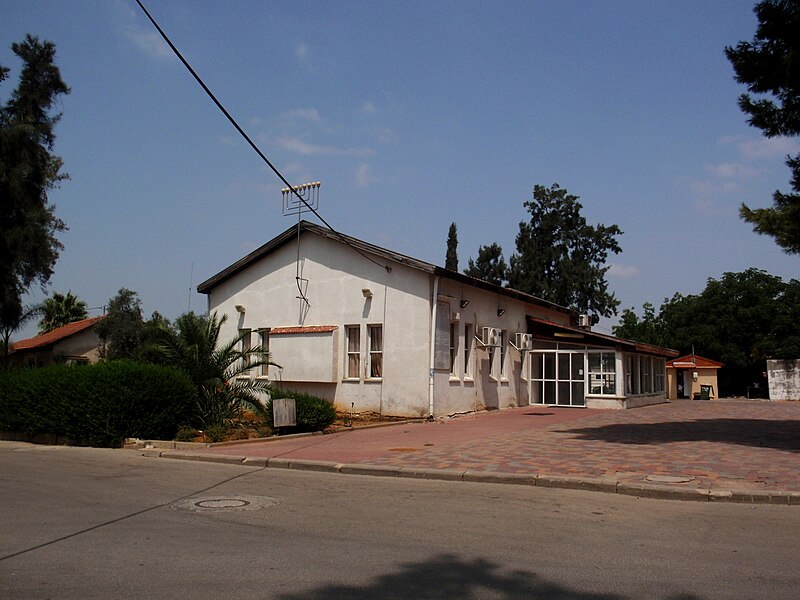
83	344
336	275
784	379
476	387
401	302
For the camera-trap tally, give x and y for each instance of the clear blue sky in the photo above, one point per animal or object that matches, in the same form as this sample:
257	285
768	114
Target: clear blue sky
412	115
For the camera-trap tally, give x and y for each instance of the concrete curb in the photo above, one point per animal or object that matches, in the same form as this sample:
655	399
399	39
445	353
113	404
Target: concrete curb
137	444
593	484
493	477
200	457
607	485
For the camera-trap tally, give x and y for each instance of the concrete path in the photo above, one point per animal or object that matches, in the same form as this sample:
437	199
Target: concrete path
746	451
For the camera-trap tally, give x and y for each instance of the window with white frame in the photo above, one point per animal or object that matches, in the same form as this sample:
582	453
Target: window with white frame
353	354
375	339
602	373
468	341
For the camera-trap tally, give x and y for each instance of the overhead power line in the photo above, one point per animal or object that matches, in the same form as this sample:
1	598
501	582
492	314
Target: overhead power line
247	138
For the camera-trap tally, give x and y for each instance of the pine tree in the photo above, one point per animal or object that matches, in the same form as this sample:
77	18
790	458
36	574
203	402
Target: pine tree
451	260
489	266
560	257
769	66
28	171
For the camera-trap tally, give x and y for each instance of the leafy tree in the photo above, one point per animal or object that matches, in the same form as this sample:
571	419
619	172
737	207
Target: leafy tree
741	320
9	323
28	171
60	309
194	346
489	266
648	329
122	329
560	257
451	260
770	66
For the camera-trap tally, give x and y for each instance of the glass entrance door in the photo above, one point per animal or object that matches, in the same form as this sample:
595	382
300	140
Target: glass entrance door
557	378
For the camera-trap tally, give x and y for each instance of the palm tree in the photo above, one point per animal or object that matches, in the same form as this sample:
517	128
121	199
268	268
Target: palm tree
193	345
12	321
61	309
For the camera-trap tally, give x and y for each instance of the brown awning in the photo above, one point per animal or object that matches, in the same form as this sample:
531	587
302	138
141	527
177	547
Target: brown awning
558	332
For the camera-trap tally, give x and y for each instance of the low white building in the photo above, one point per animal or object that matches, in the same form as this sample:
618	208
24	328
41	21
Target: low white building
374	330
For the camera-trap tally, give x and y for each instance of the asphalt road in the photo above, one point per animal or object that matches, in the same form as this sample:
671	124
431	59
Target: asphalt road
90	523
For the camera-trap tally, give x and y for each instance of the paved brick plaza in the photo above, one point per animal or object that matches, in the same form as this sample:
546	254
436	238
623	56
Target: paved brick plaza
722	445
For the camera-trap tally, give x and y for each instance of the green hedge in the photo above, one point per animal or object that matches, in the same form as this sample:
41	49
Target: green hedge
313	413
98	405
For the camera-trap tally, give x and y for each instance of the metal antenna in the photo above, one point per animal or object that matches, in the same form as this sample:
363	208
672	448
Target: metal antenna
299	199
303	198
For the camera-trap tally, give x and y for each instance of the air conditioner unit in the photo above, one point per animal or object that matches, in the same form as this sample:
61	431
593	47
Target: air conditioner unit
585	321
491	336
524	341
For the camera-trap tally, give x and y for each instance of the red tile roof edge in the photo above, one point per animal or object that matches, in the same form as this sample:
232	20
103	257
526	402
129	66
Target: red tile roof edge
58	334
694	362
295	330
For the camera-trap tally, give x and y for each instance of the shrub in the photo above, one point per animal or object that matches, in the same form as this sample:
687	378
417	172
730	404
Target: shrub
313	413
215	433
186	434
99	405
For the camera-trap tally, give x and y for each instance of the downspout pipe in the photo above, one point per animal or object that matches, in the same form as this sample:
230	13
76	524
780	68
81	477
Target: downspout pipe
434	304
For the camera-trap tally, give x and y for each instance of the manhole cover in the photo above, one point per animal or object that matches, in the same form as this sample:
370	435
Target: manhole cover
224	503
669	478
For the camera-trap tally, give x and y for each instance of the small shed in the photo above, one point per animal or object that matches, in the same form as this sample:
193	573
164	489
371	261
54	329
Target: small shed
692	376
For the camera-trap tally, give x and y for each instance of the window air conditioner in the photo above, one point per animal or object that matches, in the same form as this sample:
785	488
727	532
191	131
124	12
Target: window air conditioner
491	336
524	341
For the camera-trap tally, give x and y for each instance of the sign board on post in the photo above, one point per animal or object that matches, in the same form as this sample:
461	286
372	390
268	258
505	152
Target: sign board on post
284	412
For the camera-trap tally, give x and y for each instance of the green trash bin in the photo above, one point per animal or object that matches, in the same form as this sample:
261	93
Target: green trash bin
705	392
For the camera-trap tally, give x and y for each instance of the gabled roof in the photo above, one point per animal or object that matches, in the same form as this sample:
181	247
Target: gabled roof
692	361
365	248
56	335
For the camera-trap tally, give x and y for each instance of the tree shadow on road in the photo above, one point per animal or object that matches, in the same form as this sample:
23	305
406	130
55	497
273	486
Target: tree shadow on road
761	433
449	577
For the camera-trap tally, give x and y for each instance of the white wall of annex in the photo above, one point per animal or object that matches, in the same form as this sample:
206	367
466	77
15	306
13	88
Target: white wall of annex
459	392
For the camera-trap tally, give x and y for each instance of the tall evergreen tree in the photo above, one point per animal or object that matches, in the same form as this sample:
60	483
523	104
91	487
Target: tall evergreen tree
451	260
489	266
28	170
60	309
770	66
560	257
